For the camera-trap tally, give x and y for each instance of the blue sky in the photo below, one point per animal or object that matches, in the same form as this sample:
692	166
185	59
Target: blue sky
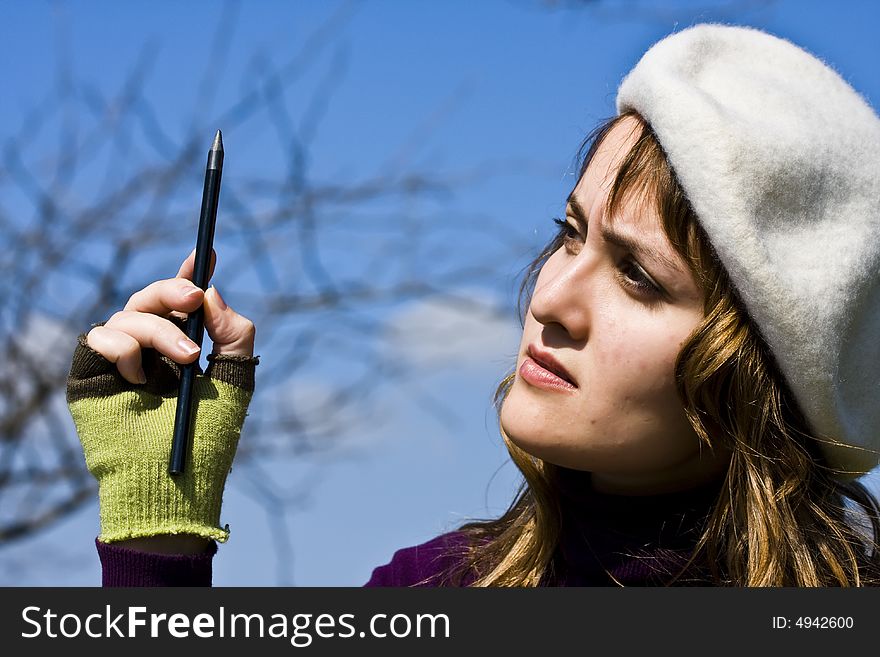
450	87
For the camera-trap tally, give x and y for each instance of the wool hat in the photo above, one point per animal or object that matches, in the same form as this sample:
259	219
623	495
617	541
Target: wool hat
780	159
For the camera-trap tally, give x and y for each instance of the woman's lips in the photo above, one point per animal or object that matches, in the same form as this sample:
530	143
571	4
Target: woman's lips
547	361
533	373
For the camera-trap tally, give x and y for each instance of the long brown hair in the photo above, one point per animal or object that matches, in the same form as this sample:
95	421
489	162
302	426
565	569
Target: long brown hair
784	517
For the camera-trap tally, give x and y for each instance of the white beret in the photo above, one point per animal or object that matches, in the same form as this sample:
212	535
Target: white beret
780	159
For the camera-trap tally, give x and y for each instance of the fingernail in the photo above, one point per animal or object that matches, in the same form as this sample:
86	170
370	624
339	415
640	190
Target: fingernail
141	377
189	292
187	346
220	302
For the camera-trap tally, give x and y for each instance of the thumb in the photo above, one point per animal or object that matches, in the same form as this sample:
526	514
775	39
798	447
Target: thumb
230	332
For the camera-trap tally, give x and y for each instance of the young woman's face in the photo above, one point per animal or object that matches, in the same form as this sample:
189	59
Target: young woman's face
614	316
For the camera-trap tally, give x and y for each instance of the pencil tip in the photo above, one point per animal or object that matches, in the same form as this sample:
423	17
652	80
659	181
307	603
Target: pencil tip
218	142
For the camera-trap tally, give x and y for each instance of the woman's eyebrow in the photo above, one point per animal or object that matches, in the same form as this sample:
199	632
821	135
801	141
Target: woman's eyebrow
620	240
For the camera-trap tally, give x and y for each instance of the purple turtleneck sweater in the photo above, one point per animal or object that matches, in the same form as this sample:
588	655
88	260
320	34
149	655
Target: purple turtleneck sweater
605	540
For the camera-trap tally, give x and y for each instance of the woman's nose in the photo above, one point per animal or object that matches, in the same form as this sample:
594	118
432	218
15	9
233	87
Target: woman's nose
563	295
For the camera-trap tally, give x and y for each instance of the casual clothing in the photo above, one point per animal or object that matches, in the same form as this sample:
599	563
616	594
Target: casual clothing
605	540
121	566
138	497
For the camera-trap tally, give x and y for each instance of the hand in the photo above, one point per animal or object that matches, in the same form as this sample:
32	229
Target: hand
124	419
145	322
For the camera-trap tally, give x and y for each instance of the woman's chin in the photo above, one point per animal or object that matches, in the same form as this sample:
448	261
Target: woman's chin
527	434
527	418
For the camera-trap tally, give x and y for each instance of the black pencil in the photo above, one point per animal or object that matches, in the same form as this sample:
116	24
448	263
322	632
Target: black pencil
195	323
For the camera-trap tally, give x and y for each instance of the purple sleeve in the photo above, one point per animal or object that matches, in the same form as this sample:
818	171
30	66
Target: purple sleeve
121	566
422	565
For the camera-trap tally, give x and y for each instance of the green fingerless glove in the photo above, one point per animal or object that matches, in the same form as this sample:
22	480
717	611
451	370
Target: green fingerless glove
126	430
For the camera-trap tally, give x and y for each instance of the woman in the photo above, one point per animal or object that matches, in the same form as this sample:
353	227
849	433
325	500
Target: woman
689	404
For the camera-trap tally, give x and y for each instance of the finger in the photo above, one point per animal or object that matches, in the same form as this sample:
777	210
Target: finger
230	332
163	297
186	269
119	348
155	332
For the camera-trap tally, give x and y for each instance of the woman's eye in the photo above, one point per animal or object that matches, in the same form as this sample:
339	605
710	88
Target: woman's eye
635	278
568	233
630	273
